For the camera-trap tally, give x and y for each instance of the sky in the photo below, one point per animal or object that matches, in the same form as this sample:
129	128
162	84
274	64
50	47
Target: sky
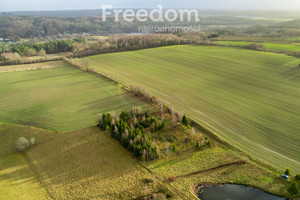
37	5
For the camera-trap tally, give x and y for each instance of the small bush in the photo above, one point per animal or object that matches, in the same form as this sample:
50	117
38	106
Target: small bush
198	146
143	158
208	143
293	188
148	180
255	46
22	144
185	121
32	141
174	148
287	171
297	177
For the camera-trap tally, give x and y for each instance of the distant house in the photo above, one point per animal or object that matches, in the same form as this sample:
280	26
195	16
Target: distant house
1	39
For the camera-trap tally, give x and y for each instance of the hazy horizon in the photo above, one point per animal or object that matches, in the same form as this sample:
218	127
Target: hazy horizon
56	5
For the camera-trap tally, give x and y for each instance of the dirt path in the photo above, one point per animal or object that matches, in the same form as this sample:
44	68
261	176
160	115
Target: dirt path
241	162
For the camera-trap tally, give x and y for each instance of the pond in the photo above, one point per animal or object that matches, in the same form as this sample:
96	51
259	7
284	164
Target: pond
234	192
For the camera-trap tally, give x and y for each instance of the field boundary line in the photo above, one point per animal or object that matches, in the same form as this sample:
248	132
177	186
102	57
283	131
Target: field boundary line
37	176
241	162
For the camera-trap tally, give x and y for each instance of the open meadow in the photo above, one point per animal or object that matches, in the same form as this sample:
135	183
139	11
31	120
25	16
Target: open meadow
61	98
74	159
85	164
250	99
292	47
89	164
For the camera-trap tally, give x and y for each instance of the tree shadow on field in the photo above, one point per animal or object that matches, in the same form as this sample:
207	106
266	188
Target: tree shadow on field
14	168
84	160
116	102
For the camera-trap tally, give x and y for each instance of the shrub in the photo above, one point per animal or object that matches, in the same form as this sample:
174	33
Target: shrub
198	146
185	120
3	59
208	143
143	158
287	171
22	144
297	177
32	141
293	188
174	148
155	151
255	46
162	125
148	180
42	52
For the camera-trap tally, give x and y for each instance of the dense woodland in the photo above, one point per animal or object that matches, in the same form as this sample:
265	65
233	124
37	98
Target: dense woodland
16	27
79	47
42	35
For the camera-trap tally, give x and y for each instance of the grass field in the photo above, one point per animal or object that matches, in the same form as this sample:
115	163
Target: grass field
89	164
62	98
92	165
17	180
293	47
85	164
251	99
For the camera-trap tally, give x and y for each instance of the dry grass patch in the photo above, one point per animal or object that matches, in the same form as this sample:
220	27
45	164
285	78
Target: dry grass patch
26	67
88	164
17	180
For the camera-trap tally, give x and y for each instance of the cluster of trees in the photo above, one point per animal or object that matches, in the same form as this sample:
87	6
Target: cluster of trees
130	129
52	47
79	47
123	43
15	27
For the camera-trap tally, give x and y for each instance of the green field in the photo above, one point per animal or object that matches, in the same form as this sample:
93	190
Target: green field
84	164
251	99
293	47
62	98
17	180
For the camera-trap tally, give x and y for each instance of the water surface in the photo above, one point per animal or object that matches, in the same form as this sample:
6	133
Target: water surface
234	192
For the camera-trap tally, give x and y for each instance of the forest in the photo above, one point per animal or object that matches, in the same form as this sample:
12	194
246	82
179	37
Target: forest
16	27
